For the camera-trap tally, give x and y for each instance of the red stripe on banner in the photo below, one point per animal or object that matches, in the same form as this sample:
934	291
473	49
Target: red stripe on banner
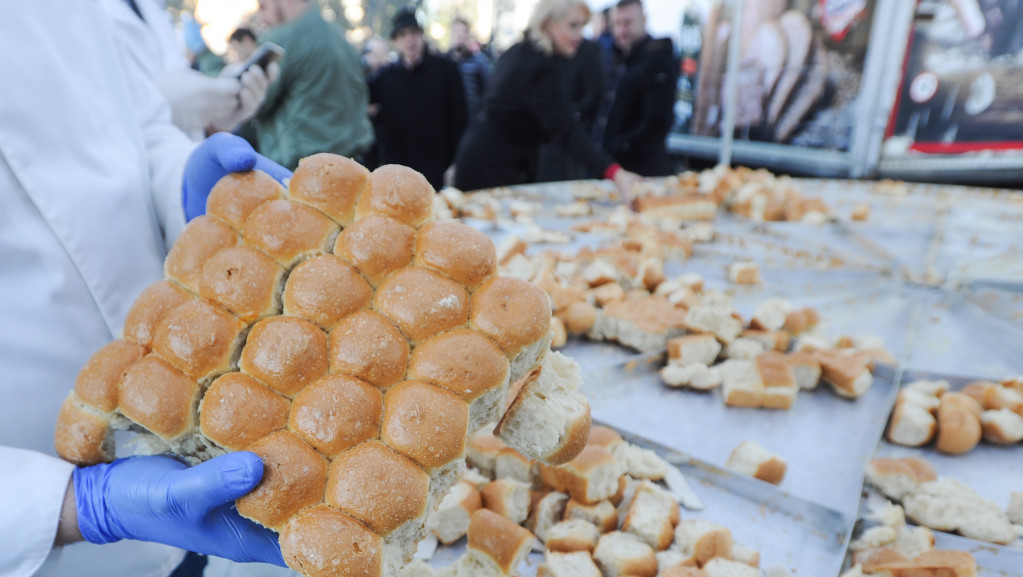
961	147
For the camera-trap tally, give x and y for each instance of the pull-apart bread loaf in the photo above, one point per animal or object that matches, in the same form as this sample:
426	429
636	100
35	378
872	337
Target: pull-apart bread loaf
347	339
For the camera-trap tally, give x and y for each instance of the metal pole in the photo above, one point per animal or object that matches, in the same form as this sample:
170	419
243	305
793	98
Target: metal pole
731	80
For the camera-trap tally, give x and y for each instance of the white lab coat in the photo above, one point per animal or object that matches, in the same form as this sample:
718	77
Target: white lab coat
90	181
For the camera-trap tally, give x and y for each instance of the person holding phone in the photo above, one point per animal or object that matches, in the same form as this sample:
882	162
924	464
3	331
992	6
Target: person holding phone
199	104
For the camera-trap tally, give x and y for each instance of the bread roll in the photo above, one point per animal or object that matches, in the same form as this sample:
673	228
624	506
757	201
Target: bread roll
912	425
83	436
96	383
329	183
751	459
457	250
159	397
422	303
959	427
293	479
378	246
289	232
325	289
516	315
238	410
324	542
398	192
335	413
150	308
367	346
620	554
198	242
601	515
500	540
467	364
378	487
236	195
244	281
425	423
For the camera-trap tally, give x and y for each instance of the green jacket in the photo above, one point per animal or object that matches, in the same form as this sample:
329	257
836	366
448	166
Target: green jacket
318	104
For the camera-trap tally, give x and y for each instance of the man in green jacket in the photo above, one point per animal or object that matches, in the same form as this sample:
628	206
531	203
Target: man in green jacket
318	104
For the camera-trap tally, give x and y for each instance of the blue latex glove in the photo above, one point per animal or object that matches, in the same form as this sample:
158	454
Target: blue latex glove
216	157
160	499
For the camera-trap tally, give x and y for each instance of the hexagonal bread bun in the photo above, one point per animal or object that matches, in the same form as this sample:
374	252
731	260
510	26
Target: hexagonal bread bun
355	345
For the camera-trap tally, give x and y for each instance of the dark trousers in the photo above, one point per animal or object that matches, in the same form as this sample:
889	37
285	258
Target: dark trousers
192	565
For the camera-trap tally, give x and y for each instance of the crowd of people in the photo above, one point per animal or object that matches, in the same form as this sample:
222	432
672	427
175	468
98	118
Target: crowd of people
113	139
554	106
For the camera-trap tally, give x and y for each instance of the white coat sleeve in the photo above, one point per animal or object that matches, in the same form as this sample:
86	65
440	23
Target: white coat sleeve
167	147
32	487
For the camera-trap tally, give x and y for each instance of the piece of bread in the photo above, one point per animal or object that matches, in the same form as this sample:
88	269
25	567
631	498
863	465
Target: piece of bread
780	388
451	520
589	478
640	463
912	425
932	564
801	321
96	383
619	554
714	320
743	348
516	315
329	183
457	250
289	232
874	537
873	558
744	273
893	477
162	399
508	498
546	512
703	540
199	339
482	452
549	419
682	571
724	567
672	561
510	464
469	365
367	346
643	322
948	505
602	515
398	192
201	238
770	315
848	375
294	476
751	459
236	195
919	398
691	349
769	340
325	289
579	317
559	334
310	541
568	565
806	369
378	246
652	516
922	470
1002	427
83	435
150	308
285	353
933	388
741	384
238	410
1015	510
501	541
426	424
959	427
746	555
423	303
572	535
913	541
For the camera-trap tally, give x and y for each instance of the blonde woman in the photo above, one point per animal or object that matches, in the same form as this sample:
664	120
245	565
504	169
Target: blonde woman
527	106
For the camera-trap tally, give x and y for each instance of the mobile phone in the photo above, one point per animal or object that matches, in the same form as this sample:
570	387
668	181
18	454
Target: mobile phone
266	53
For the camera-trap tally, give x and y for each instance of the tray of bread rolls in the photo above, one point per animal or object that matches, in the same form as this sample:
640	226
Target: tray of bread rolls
625	506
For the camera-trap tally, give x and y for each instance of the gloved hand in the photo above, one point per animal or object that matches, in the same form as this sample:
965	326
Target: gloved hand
160	499
197	100
254	83
218	156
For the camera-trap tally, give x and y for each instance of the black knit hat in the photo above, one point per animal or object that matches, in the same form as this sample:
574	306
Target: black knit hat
405	18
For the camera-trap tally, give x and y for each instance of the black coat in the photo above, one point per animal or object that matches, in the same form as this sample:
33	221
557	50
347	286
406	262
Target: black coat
526	106
643	109
422	115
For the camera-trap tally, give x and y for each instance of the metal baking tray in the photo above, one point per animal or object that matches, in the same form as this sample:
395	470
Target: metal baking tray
804	538
826	440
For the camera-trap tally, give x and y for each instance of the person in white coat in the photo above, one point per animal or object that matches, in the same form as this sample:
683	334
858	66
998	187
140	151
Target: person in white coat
92	174
198	102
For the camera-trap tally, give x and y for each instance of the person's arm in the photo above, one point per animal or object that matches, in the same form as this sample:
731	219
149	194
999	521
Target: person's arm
32	489
658	106
457	110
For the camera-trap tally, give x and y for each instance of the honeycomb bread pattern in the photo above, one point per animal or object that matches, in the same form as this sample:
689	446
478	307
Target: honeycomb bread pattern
331	328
